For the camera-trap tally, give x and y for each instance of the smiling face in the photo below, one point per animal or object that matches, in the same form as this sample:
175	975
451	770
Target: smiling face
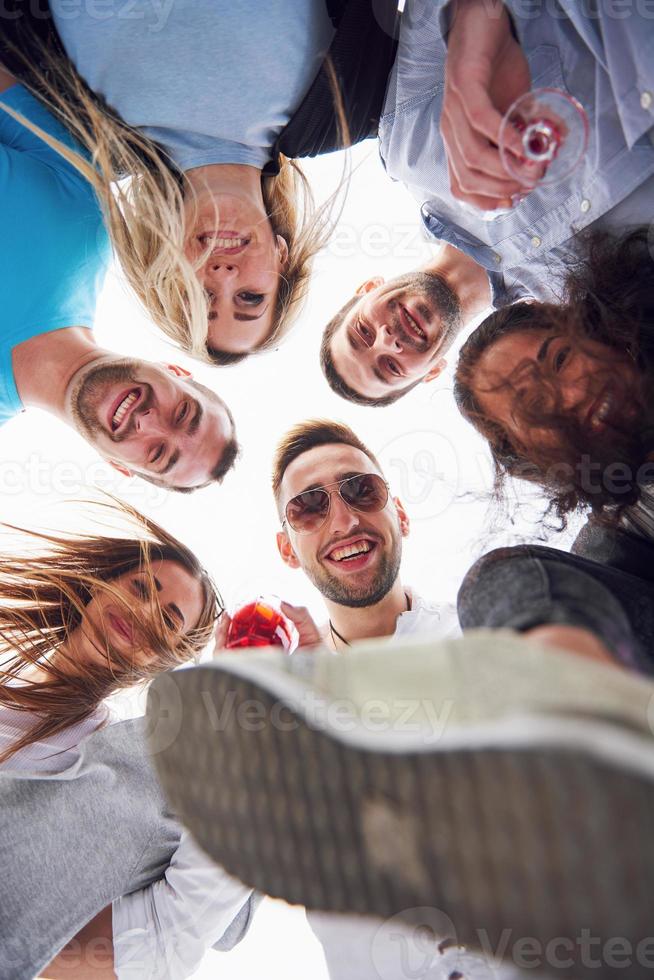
548	374
115	618
242	260
152	420
354	558
395	335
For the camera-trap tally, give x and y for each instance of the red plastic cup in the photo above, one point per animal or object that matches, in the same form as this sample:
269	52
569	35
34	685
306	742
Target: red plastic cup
258	624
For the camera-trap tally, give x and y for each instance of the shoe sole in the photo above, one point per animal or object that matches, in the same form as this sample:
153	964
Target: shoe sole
545	841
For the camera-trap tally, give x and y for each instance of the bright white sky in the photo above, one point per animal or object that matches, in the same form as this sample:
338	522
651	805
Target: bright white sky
431	457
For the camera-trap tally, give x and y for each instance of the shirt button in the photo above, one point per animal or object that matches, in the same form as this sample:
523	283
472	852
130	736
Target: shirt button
585	205
497	257
646	100
536	241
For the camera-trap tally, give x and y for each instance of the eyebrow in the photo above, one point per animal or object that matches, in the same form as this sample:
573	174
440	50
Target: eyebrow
172	606
197	418
382	377
174	457
347	475
247	316
213	315
542	353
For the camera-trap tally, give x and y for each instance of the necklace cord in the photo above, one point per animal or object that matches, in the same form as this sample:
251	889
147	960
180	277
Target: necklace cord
334	632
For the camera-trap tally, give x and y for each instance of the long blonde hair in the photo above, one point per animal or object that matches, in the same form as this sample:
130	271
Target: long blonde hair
43	593
142	195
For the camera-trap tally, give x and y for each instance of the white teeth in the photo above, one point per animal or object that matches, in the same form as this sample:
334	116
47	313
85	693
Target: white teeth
602	412
120	412
418	329
223	242
358	548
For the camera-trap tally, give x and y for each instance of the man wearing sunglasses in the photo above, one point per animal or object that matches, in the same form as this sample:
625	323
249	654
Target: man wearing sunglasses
342	527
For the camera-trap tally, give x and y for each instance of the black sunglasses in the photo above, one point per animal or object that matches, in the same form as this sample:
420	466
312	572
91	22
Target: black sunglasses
308	511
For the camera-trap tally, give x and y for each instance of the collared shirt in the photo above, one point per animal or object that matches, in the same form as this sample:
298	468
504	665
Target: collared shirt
437	619
525	251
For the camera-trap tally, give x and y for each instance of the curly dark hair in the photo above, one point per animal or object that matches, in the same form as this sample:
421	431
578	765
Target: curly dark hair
608	299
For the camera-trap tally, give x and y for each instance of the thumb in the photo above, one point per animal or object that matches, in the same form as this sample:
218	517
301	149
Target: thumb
308	632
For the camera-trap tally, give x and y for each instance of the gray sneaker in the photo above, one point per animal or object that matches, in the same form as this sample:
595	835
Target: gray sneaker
507	786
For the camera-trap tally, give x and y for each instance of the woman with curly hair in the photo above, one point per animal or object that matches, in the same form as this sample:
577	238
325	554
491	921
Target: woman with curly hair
563	392
85	616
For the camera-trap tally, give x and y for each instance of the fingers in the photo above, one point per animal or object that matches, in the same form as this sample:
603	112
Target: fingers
478	200
308	632
220	635
476	168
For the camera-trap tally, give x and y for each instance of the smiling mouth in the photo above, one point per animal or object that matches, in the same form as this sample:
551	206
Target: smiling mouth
121	409
598	416
120	626
223	242
350	553
412	325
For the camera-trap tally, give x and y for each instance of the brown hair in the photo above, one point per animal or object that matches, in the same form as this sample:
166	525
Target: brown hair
307	435
609	299
334	379
43	594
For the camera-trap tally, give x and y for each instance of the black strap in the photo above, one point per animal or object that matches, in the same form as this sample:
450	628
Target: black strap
362	53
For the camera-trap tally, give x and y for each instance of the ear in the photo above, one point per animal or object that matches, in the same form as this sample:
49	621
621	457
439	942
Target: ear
369	285
437	369
282	250
120	468
178	371
285	549
403	517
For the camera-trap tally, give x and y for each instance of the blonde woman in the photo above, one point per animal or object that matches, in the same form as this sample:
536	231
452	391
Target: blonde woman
84	616
215	243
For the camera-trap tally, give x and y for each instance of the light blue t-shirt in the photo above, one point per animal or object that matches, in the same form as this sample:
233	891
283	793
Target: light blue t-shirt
212	81
54	249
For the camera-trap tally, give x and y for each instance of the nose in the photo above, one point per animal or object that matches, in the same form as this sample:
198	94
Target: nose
342	519
387	340
149	423
220	271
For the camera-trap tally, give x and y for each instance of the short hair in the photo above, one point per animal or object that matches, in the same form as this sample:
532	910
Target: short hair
227	458
308	435
334	379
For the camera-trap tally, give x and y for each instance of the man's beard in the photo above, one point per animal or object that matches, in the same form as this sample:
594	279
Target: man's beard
433	299
89	392
358	597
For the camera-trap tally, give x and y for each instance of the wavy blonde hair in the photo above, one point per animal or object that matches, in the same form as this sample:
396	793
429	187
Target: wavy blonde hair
142	195
43	593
